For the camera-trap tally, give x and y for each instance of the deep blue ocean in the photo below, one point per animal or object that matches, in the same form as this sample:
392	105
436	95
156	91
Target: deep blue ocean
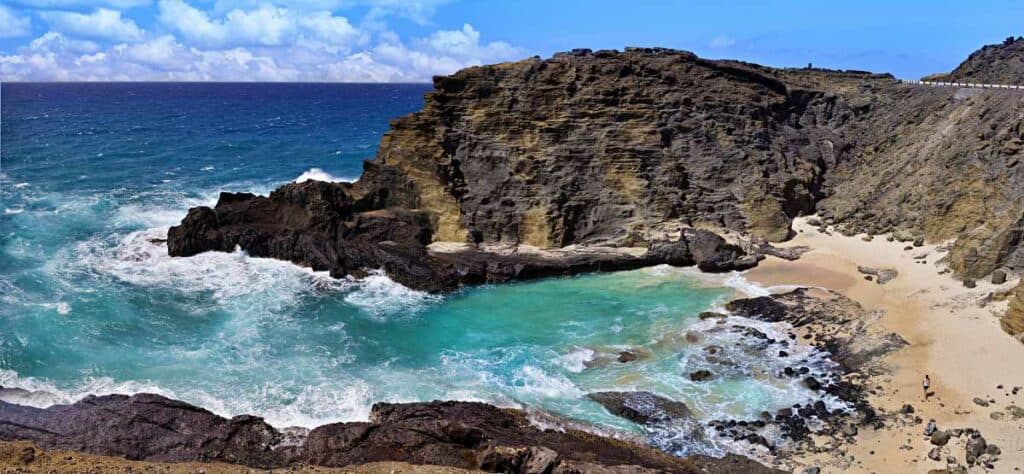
93	174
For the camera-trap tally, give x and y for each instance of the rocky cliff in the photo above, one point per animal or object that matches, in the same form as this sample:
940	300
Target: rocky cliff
992	64
613	149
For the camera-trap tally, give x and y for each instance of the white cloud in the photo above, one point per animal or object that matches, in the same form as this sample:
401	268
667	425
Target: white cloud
334	30
251	43
54	42
12	25
102	23
265	25
720	42
465	43
77	4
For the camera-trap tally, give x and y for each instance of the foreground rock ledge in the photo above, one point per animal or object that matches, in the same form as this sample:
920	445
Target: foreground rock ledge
465	435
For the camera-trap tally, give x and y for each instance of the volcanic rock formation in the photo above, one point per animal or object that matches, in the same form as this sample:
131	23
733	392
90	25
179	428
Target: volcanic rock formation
594	153
459	434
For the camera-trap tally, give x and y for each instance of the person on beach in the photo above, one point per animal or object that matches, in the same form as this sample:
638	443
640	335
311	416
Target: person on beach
926	384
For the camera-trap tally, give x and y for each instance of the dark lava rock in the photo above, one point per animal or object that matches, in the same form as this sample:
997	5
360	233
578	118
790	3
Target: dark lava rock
833	320
458	434
701	375
812	383
704	315
907	409
626	356
940	438
975	447
333	227
143	427
641	407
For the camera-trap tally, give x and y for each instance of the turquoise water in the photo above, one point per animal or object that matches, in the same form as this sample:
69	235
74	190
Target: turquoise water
91	303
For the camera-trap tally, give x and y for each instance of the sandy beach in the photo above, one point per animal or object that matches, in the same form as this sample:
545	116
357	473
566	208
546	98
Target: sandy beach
953	337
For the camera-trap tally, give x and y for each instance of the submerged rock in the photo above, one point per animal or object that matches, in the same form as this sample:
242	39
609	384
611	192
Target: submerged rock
641	407
701	375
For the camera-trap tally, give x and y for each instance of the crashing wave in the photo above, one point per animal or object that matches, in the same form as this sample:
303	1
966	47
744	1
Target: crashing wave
317	174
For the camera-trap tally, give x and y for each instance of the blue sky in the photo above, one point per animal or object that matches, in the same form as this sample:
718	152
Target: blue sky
398	40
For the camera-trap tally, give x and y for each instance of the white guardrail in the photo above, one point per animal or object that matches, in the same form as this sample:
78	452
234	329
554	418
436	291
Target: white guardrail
961	84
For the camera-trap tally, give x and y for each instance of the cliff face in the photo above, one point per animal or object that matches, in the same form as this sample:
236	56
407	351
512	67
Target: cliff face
614	148
620	148
940	163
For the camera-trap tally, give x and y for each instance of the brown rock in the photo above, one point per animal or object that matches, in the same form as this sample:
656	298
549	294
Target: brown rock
998	277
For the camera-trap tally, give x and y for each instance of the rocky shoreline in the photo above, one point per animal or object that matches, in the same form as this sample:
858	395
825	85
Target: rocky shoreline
321	226
598	161
477	436
464	435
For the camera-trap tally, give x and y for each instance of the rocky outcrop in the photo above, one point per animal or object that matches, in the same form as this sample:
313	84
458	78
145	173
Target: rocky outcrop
627	149
833	322
642	407
143	427
324	226
457	434
614	150
992	64
1013	321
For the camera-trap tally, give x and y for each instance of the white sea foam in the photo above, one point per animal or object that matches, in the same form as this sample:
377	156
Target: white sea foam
312	406
576	360
739	282
13	210
317	174
382	296
21	185
61	307
535	381
42	393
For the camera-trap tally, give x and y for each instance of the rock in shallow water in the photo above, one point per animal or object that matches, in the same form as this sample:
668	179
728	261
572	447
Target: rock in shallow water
641	407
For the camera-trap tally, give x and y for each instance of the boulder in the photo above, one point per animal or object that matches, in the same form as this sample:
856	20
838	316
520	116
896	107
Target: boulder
975	447
998	276
883	275
701	375
940	438
642	407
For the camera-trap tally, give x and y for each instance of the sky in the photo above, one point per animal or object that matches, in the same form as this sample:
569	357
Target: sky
412	40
